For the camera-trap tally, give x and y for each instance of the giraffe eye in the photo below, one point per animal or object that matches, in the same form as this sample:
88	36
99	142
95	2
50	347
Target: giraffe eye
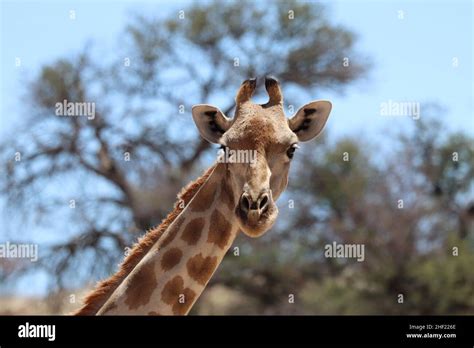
291	150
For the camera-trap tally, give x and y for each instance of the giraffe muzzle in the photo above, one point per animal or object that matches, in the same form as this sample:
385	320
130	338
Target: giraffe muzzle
254	208
256	213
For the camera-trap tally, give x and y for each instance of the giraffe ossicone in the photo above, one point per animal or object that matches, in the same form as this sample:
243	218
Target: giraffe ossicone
168	268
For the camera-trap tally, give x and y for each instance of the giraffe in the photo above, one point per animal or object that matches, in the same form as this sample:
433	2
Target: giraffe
168	268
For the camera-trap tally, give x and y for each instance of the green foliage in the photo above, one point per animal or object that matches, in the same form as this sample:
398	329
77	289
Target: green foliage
455	176
443	283
54	82
436	283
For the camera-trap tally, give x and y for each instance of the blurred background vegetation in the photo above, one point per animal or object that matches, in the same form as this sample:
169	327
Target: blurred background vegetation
408	251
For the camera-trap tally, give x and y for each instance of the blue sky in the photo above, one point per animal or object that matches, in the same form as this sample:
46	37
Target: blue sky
412	57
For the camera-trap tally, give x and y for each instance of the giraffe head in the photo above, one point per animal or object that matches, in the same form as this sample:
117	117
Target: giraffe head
258	146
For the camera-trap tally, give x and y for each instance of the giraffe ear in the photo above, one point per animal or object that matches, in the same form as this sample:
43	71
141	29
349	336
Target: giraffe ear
211	122
310	119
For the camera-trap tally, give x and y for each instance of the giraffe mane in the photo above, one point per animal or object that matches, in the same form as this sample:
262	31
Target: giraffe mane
104	289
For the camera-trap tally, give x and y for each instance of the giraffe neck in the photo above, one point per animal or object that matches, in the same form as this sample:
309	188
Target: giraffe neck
176	269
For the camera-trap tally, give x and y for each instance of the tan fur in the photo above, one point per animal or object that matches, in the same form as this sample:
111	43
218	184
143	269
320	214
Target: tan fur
274	92
227	195
206	198
245	91
97	298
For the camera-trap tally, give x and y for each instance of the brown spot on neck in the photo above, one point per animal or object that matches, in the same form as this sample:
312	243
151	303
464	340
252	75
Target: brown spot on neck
201	268
141	286
179	298
220	230
204	198
171	258
193	230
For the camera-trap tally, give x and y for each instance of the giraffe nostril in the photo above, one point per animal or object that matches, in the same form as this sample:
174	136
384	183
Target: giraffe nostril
245	203
254	207
263	203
